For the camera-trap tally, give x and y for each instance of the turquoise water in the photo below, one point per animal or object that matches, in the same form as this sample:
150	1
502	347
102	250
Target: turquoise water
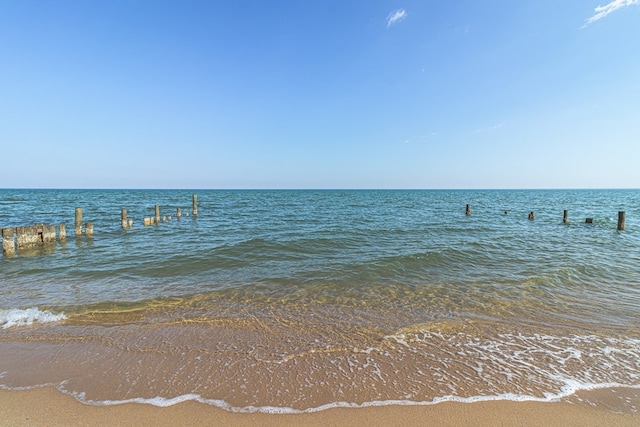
353	291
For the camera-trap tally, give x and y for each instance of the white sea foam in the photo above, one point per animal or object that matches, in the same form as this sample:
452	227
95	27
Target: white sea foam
18	317
569	389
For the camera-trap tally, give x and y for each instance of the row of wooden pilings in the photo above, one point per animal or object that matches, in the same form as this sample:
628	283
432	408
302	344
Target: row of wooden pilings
18	238
128	223
565	217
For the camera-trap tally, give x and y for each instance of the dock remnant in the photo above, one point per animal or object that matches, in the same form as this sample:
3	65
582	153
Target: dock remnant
124	219
468	210
62	231
621	220
157	214
78	222
178	213
8	241
195	205
88	229
565	217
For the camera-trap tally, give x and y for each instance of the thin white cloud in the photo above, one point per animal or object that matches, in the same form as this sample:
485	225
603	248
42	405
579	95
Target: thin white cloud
602	11
397	16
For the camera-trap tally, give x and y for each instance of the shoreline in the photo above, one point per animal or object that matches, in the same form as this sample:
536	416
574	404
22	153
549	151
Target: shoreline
47	406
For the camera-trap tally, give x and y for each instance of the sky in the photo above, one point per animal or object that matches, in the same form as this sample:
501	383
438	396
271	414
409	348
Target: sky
323	94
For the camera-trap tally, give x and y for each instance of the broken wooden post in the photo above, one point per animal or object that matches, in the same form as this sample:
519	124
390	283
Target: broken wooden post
565	217
62	231
532	216
124	218
78	222
178	213
26	237
89	229
8	241
148	221
621	220
468	211
130	223
588	221
157	214
48	233
195	204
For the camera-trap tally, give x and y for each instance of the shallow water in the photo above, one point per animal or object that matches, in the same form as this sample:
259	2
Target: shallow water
298	300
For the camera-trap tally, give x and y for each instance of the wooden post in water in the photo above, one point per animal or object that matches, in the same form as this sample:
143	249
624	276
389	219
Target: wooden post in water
8	242
468	210
195	205
157	214
48	234
588	221
124	218
178	213
532	216
565	217
89	229
62	231
78	222
148	221
621	220
130	223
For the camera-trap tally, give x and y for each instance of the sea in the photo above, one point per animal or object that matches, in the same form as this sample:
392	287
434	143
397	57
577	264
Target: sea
295	301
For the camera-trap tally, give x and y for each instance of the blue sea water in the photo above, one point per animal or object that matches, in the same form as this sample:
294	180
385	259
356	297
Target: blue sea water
308	299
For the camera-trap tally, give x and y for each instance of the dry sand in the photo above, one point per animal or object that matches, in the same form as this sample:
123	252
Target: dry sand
48	407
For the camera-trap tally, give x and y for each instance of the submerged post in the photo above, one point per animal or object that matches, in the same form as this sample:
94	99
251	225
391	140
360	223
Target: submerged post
157	214
195	204
89	229
78	222
621	220
130	223
565	217
124	218
468	211
588	221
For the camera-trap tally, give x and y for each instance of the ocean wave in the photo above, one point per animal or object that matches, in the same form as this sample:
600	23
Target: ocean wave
22	317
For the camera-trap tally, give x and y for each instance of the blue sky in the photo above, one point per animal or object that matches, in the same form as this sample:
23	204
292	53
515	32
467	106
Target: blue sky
324	94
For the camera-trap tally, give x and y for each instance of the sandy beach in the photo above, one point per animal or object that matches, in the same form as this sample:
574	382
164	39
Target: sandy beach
47	407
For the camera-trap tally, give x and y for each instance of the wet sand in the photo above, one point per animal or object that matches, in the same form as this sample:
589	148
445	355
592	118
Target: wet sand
46	406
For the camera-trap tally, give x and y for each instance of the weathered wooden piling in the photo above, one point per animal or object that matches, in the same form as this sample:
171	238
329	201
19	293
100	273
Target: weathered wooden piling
26	237
148	221
130	223
157	214
468	211
621	220
88	229
124	218
532	216
8	241
588	221
47	233
62	231
78	222
565	217
164	218
178	213
195	205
